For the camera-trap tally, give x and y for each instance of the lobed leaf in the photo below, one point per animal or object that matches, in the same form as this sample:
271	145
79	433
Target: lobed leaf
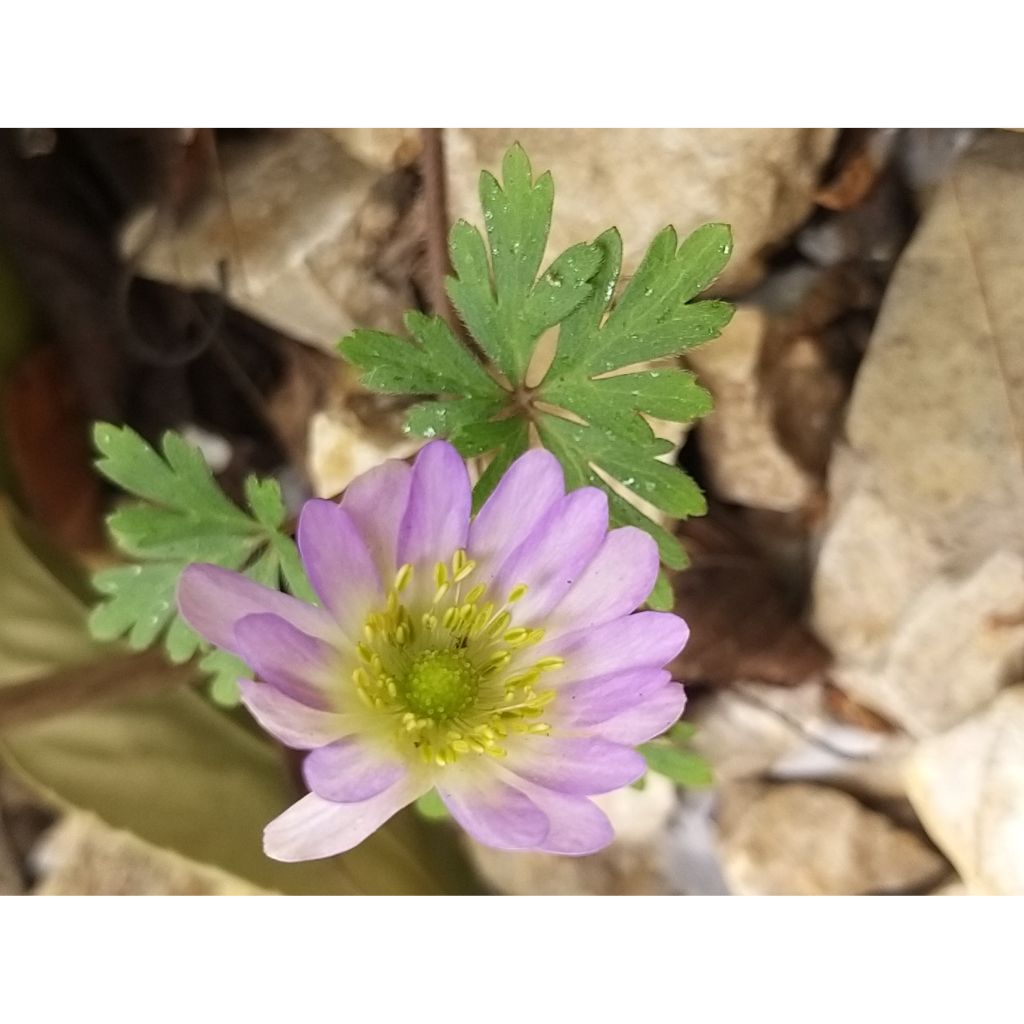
184	517
590	409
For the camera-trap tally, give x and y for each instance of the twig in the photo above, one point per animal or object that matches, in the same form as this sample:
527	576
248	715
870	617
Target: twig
68	689
435	195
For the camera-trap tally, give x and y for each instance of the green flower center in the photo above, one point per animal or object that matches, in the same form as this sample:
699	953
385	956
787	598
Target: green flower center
440	684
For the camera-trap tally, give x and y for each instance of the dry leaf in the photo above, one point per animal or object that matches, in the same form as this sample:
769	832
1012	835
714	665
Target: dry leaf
743	625
47	439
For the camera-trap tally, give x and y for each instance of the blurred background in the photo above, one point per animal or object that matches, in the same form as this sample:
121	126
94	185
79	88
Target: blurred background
856	594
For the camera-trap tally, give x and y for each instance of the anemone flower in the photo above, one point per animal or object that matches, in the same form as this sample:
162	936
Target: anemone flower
498	659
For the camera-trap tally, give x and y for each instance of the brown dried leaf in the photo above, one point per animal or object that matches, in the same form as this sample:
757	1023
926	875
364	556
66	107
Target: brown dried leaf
850	712
743	625
47	438
851	185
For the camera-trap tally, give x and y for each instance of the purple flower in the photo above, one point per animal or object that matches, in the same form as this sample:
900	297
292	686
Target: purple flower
495	659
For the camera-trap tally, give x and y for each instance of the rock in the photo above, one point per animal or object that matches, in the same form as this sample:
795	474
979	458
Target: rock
633	865
743	731
967	787
300	225
81	856
807	840
925	156
952	888
694	865
383	148
356	431
23	820
958	643
874	231
745	461
926	514
759	180
752	730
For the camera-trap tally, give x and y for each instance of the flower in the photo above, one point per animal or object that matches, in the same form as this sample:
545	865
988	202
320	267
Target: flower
495	659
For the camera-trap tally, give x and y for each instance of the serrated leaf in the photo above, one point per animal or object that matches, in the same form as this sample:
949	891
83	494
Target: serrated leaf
444	418
593	418
224	670
504	305
669	276
651	320
579	473
633	466
434	362
265	501
623	513
292	572
669	394
185	518
149	531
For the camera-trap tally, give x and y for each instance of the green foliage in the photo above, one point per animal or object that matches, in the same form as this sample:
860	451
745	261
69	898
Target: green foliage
671	756
182	517
591	410
431	806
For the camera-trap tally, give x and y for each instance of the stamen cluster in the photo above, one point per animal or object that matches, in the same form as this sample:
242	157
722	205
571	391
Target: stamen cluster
453	673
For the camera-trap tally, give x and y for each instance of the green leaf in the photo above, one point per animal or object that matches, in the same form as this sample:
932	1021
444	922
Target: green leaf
637	468
224	670
683	767
264	498
591	410
661	598
431	807
443	419
435	362
514	441
670	756
184	517
654	318
504	305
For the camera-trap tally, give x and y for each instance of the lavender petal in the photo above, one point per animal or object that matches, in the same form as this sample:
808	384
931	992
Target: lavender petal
212	600
338	563
315	827
351	770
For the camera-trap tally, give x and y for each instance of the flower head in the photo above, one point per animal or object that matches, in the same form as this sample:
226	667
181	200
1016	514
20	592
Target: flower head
493	658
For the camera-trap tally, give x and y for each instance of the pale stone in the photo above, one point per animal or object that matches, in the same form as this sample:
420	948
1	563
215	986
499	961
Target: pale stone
918	579
806	840
694	865
743	731
384	148
958	643
356	431
759	180
745	461
953	888
299	223
82	856
752	730
634	864
967	787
